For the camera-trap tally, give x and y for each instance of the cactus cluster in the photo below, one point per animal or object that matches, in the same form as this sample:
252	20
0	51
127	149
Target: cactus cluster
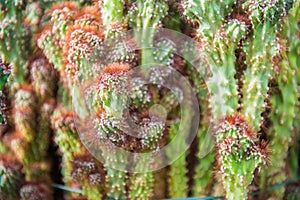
65	62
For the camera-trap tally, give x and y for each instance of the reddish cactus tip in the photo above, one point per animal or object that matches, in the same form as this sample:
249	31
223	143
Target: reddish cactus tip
88	29
72	38
116	68
89	12
236	120
42	35
26	87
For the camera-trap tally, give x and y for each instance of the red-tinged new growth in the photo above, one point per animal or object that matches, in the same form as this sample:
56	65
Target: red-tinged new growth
81	45
82	41
239	154
89	17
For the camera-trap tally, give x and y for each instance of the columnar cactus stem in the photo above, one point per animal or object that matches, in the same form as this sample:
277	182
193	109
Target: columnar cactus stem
14	38
25	120
256	81
44	79
149	15
90	174
250	52
284	103
42	139
115	179
44	84
52	39
77	168
25	112
178	173
209	15
49	44
33	136
67	140
109	102
239	154
260	51
219	45
82	41
203	172
112	16
219	41
222	85
141	184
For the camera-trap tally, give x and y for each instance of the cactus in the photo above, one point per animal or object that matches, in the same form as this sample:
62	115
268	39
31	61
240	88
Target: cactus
4	74
112	16
177	175
63	62
284	102
203	172
14	38
150	14
239	154
256	82
11	178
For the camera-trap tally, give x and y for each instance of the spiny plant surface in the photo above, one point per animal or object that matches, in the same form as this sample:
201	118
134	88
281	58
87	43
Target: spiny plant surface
247	138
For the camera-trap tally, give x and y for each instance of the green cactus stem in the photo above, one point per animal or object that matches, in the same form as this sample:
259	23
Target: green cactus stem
25	112
141	184
49	44
111	99
222	85
209	15
203	176
113	17
67	139
75	61
52	39
203	172
219	41
42	140
77	166
149	15
14	38
239	154
90	174
260	50
177	180
284	103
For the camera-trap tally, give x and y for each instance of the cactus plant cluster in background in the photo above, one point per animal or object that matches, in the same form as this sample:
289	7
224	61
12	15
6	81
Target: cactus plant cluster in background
247	138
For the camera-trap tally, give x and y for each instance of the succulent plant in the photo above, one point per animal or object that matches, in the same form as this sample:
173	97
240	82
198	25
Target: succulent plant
103	62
